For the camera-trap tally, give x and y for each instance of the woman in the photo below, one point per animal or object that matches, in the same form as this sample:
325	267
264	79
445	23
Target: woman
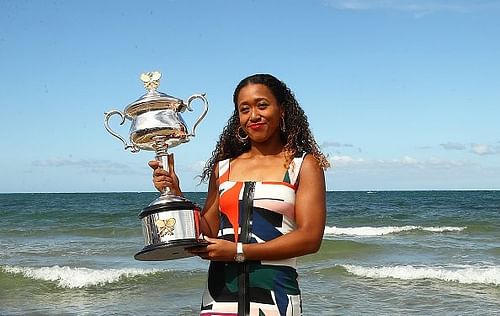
265	204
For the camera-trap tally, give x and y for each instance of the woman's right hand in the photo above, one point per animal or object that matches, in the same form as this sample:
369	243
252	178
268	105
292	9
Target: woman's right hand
163	179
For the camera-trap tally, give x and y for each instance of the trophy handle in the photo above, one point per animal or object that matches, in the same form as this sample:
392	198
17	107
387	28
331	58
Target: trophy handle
109	114
202	116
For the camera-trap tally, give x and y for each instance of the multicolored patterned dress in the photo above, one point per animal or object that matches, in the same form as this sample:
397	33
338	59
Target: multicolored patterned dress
254	212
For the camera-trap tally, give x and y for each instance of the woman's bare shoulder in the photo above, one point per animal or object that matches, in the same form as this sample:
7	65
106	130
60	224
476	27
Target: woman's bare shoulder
311	170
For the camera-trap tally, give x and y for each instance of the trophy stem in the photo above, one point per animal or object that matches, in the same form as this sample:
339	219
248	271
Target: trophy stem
161	149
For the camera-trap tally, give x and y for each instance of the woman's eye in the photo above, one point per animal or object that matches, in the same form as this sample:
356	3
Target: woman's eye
244	109
262	105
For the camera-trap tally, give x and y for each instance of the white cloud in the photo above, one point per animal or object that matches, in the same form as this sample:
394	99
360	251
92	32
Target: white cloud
481	149
91	165
334	144
425	147
406	160
453	146
485	149
415	6
478	149
446	163
347	162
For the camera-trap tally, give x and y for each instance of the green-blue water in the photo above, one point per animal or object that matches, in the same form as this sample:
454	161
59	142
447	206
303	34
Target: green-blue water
396	253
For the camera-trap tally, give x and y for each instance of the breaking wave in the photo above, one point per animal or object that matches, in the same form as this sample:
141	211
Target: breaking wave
70	277
462	274
385	230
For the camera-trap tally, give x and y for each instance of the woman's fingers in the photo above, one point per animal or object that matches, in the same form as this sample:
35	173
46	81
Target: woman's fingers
154	164
171	163
163	178
201	252
160	172
216	250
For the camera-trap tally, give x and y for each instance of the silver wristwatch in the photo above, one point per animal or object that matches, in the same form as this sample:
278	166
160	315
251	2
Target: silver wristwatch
240	256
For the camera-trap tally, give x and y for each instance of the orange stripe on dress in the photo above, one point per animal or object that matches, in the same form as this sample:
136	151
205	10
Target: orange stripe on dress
229	205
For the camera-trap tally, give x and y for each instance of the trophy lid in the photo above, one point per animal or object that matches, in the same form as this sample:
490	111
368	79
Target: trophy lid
153	99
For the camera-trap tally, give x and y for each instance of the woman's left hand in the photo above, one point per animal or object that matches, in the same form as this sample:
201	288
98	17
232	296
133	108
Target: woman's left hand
216	250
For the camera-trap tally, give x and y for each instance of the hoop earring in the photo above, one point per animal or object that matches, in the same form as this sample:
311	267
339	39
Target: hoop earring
282	125
238	135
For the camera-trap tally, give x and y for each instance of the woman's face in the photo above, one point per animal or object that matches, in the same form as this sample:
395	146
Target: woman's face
259	112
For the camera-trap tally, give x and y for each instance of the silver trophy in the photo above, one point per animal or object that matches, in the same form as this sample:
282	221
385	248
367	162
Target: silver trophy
170	223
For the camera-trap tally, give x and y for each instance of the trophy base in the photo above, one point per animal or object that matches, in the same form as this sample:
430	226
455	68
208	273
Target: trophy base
170	224
169	251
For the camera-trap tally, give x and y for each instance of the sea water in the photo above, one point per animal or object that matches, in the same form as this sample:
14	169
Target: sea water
383	253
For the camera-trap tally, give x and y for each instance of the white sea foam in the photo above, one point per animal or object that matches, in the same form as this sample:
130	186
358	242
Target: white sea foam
463	274
69	277
385	230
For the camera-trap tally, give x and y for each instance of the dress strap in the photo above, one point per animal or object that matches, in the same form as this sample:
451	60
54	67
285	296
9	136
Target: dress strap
223	170
294	168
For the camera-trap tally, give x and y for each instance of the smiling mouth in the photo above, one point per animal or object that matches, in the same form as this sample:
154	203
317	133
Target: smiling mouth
256	126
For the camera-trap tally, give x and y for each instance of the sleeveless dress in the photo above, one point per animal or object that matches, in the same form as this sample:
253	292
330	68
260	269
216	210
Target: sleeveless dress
254	212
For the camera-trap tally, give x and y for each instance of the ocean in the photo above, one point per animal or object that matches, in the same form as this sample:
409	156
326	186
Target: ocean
383	253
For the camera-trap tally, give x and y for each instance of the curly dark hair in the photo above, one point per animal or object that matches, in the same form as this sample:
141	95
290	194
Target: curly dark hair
297	137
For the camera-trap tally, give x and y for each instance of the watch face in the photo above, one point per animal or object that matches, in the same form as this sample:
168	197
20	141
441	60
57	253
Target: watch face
239	258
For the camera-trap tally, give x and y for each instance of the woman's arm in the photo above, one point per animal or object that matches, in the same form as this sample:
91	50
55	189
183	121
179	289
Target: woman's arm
210	213
310	217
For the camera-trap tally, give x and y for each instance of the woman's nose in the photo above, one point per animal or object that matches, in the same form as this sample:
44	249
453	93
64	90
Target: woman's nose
254	114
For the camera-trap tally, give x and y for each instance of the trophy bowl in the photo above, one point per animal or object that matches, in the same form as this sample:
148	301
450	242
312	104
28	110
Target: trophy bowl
170	223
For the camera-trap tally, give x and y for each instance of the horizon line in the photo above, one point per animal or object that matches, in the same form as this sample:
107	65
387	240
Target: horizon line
328	191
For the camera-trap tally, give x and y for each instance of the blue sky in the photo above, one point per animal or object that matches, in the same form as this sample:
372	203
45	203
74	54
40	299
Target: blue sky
402	95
